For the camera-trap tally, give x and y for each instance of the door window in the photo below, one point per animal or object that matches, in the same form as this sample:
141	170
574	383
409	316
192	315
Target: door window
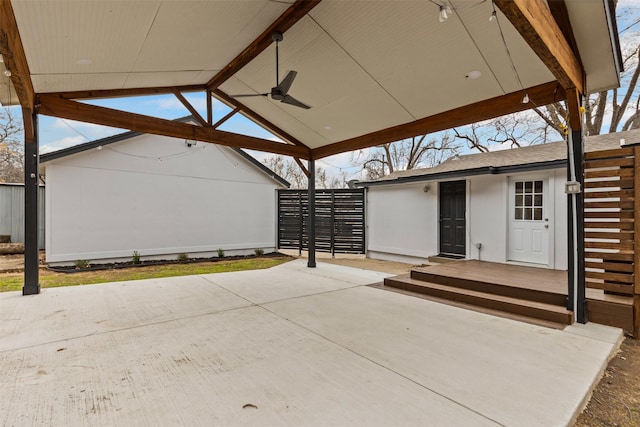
529	201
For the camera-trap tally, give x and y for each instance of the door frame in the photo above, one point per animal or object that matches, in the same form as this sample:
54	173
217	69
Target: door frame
466	203
549	206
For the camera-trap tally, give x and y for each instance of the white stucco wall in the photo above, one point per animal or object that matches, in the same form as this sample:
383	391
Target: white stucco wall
402	220
159	197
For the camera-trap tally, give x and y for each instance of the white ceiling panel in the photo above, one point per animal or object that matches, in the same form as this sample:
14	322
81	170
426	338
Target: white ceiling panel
198	35
352	116
57	34
72	82
164	79
486	36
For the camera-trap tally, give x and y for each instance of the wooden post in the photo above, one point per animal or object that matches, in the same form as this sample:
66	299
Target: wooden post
636	242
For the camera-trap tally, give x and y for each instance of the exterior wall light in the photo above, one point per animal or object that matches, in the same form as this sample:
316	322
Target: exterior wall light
572	187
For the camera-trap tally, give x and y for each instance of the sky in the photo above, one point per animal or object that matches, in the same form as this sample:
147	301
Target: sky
58	133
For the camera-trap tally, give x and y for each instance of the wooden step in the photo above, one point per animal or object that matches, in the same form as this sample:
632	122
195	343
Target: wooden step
439	259
498	281
485	310
523	307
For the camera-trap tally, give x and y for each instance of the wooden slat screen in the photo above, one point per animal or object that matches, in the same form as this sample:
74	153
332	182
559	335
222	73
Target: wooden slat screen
340	220
610	203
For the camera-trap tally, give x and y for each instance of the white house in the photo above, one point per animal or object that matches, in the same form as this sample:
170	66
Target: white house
158	196
502	206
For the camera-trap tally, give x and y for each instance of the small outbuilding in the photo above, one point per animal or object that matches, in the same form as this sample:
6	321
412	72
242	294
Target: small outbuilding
505	206
158	196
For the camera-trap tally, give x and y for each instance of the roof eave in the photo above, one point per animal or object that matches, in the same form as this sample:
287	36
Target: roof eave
485	170
76	149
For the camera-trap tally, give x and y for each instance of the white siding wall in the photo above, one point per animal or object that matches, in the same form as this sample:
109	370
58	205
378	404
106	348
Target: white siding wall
159	197
403	219
487	217
560	231
12	213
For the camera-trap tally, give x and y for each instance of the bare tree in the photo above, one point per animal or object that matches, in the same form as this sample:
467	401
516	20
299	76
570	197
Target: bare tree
516	130
325	180
288	169
614	104
404	155
11	148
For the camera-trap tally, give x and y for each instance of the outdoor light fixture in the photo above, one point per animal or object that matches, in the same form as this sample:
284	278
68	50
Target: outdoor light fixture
190	142
492	17
572	187
426	188
525	99
445	10
474	74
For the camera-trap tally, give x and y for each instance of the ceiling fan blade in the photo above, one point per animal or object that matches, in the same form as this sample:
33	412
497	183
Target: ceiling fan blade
288	99
246	95
286	83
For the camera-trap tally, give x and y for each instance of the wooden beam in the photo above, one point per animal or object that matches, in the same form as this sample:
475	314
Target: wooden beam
15	59
510	103
226	117
257	118
293	14
29	127
560	14
209	107
189	107
302	166
574	103
536	24
73	110
122	93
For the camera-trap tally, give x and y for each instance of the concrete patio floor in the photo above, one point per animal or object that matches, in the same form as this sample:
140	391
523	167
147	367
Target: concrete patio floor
285	346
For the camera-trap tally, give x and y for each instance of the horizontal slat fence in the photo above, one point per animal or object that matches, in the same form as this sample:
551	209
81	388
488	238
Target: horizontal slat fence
610	206
340	220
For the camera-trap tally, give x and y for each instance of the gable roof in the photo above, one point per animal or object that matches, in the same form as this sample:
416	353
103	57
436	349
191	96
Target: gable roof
58	154
533	157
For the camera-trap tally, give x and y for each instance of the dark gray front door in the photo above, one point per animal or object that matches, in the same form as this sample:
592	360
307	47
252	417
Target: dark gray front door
452	222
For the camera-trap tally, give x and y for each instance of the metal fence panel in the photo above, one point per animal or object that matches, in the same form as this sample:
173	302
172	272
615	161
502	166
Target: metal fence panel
340	220
12	213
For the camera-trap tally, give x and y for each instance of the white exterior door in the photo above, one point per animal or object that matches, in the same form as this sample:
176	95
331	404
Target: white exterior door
530	207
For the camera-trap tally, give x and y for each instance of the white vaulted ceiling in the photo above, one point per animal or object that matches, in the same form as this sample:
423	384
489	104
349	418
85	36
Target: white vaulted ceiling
362	65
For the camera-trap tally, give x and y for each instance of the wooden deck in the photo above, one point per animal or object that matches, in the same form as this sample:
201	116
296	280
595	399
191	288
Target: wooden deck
525	293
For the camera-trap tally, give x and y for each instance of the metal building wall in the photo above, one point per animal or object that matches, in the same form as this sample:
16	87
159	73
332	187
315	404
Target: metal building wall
12	212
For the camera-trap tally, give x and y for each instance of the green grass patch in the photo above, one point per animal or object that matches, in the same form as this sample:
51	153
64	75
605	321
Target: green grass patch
49	279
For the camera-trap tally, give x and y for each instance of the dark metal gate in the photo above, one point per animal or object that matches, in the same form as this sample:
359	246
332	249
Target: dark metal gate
340	226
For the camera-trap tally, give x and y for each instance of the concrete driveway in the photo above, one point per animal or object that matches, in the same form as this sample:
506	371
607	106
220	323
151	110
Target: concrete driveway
288	346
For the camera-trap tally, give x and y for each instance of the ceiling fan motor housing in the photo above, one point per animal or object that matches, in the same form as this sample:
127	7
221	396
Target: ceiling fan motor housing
277	94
